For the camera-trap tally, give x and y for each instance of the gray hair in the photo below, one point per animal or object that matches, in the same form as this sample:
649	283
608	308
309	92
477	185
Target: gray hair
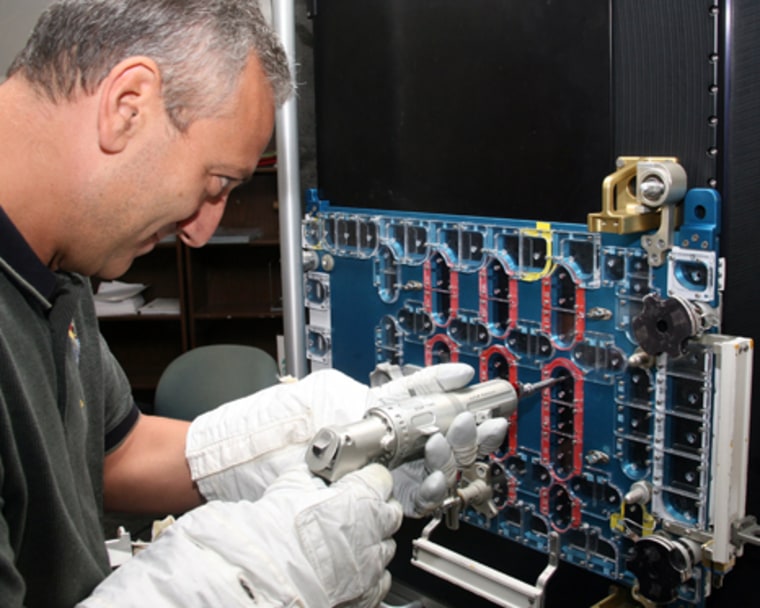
200	46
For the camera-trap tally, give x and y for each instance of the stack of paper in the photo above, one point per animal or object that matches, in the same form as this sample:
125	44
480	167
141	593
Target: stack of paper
118	298
161	306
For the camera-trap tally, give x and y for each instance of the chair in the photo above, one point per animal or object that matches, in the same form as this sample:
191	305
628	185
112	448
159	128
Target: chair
207	376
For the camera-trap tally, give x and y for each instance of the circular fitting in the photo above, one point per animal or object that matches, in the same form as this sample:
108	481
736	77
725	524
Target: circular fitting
310	260
639	494
652	189
661	565
663	326
660	183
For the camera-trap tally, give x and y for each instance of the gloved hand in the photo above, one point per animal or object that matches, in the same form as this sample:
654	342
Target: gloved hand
302	544
236	450
421	486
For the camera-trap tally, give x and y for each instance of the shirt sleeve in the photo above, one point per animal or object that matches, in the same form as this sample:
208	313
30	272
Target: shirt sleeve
121	413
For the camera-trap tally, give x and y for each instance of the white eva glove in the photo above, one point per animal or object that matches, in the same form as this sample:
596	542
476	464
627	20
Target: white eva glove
303	544
236	450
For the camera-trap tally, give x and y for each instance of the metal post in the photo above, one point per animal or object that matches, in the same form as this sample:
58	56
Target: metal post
289	196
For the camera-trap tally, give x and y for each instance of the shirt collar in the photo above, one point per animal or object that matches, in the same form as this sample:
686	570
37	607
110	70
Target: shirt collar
19	256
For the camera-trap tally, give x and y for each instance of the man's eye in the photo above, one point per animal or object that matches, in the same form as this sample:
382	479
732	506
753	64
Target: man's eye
223	185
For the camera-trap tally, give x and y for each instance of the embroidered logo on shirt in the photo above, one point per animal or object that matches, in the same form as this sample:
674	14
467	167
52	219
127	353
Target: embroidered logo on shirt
76	347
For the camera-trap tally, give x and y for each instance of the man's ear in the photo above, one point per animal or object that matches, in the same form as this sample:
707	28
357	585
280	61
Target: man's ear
129	96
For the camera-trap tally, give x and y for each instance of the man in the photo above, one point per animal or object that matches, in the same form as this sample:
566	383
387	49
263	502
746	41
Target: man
123	121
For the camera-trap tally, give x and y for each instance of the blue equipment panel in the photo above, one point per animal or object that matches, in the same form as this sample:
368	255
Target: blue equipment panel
528	301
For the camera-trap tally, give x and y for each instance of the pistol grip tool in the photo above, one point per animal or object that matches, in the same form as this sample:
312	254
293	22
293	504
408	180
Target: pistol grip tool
397	433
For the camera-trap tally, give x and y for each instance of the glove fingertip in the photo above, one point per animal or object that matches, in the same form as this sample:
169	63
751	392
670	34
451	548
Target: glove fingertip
493	427
437	450
491	435
434	488
462	435
452	376
428	496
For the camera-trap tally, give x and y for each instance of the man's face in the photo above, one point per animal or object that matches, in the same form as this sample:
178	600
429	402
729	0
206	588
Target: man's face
179	182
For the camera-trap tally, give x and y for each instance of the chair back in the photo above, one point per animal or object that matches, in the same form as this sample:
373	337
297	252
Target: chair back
207	376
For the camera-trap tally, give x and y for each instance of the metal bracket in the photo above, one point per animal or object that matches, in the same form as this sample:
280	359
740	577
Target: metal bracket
493	585
622	212
746	530
659	243
638	197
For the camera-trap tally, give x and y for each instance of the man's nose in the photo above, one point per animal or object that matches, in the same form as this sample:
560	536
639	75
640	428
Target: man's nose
198	229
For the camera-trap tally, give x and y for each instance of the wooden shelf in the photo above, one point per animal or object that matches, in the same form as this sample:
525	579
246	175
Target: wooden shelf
242	313
139	318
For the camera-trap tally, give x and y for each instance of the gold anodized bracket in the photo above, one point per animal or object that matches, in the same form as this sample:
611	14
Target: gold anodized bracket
622	212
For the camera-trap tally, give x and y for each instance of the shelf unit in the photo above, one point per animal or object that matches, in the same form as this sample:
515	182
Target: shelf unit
229	291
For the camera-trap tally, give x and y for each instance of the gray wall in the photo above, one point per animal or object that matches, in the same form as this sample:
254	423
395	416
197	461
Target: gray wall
17	18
